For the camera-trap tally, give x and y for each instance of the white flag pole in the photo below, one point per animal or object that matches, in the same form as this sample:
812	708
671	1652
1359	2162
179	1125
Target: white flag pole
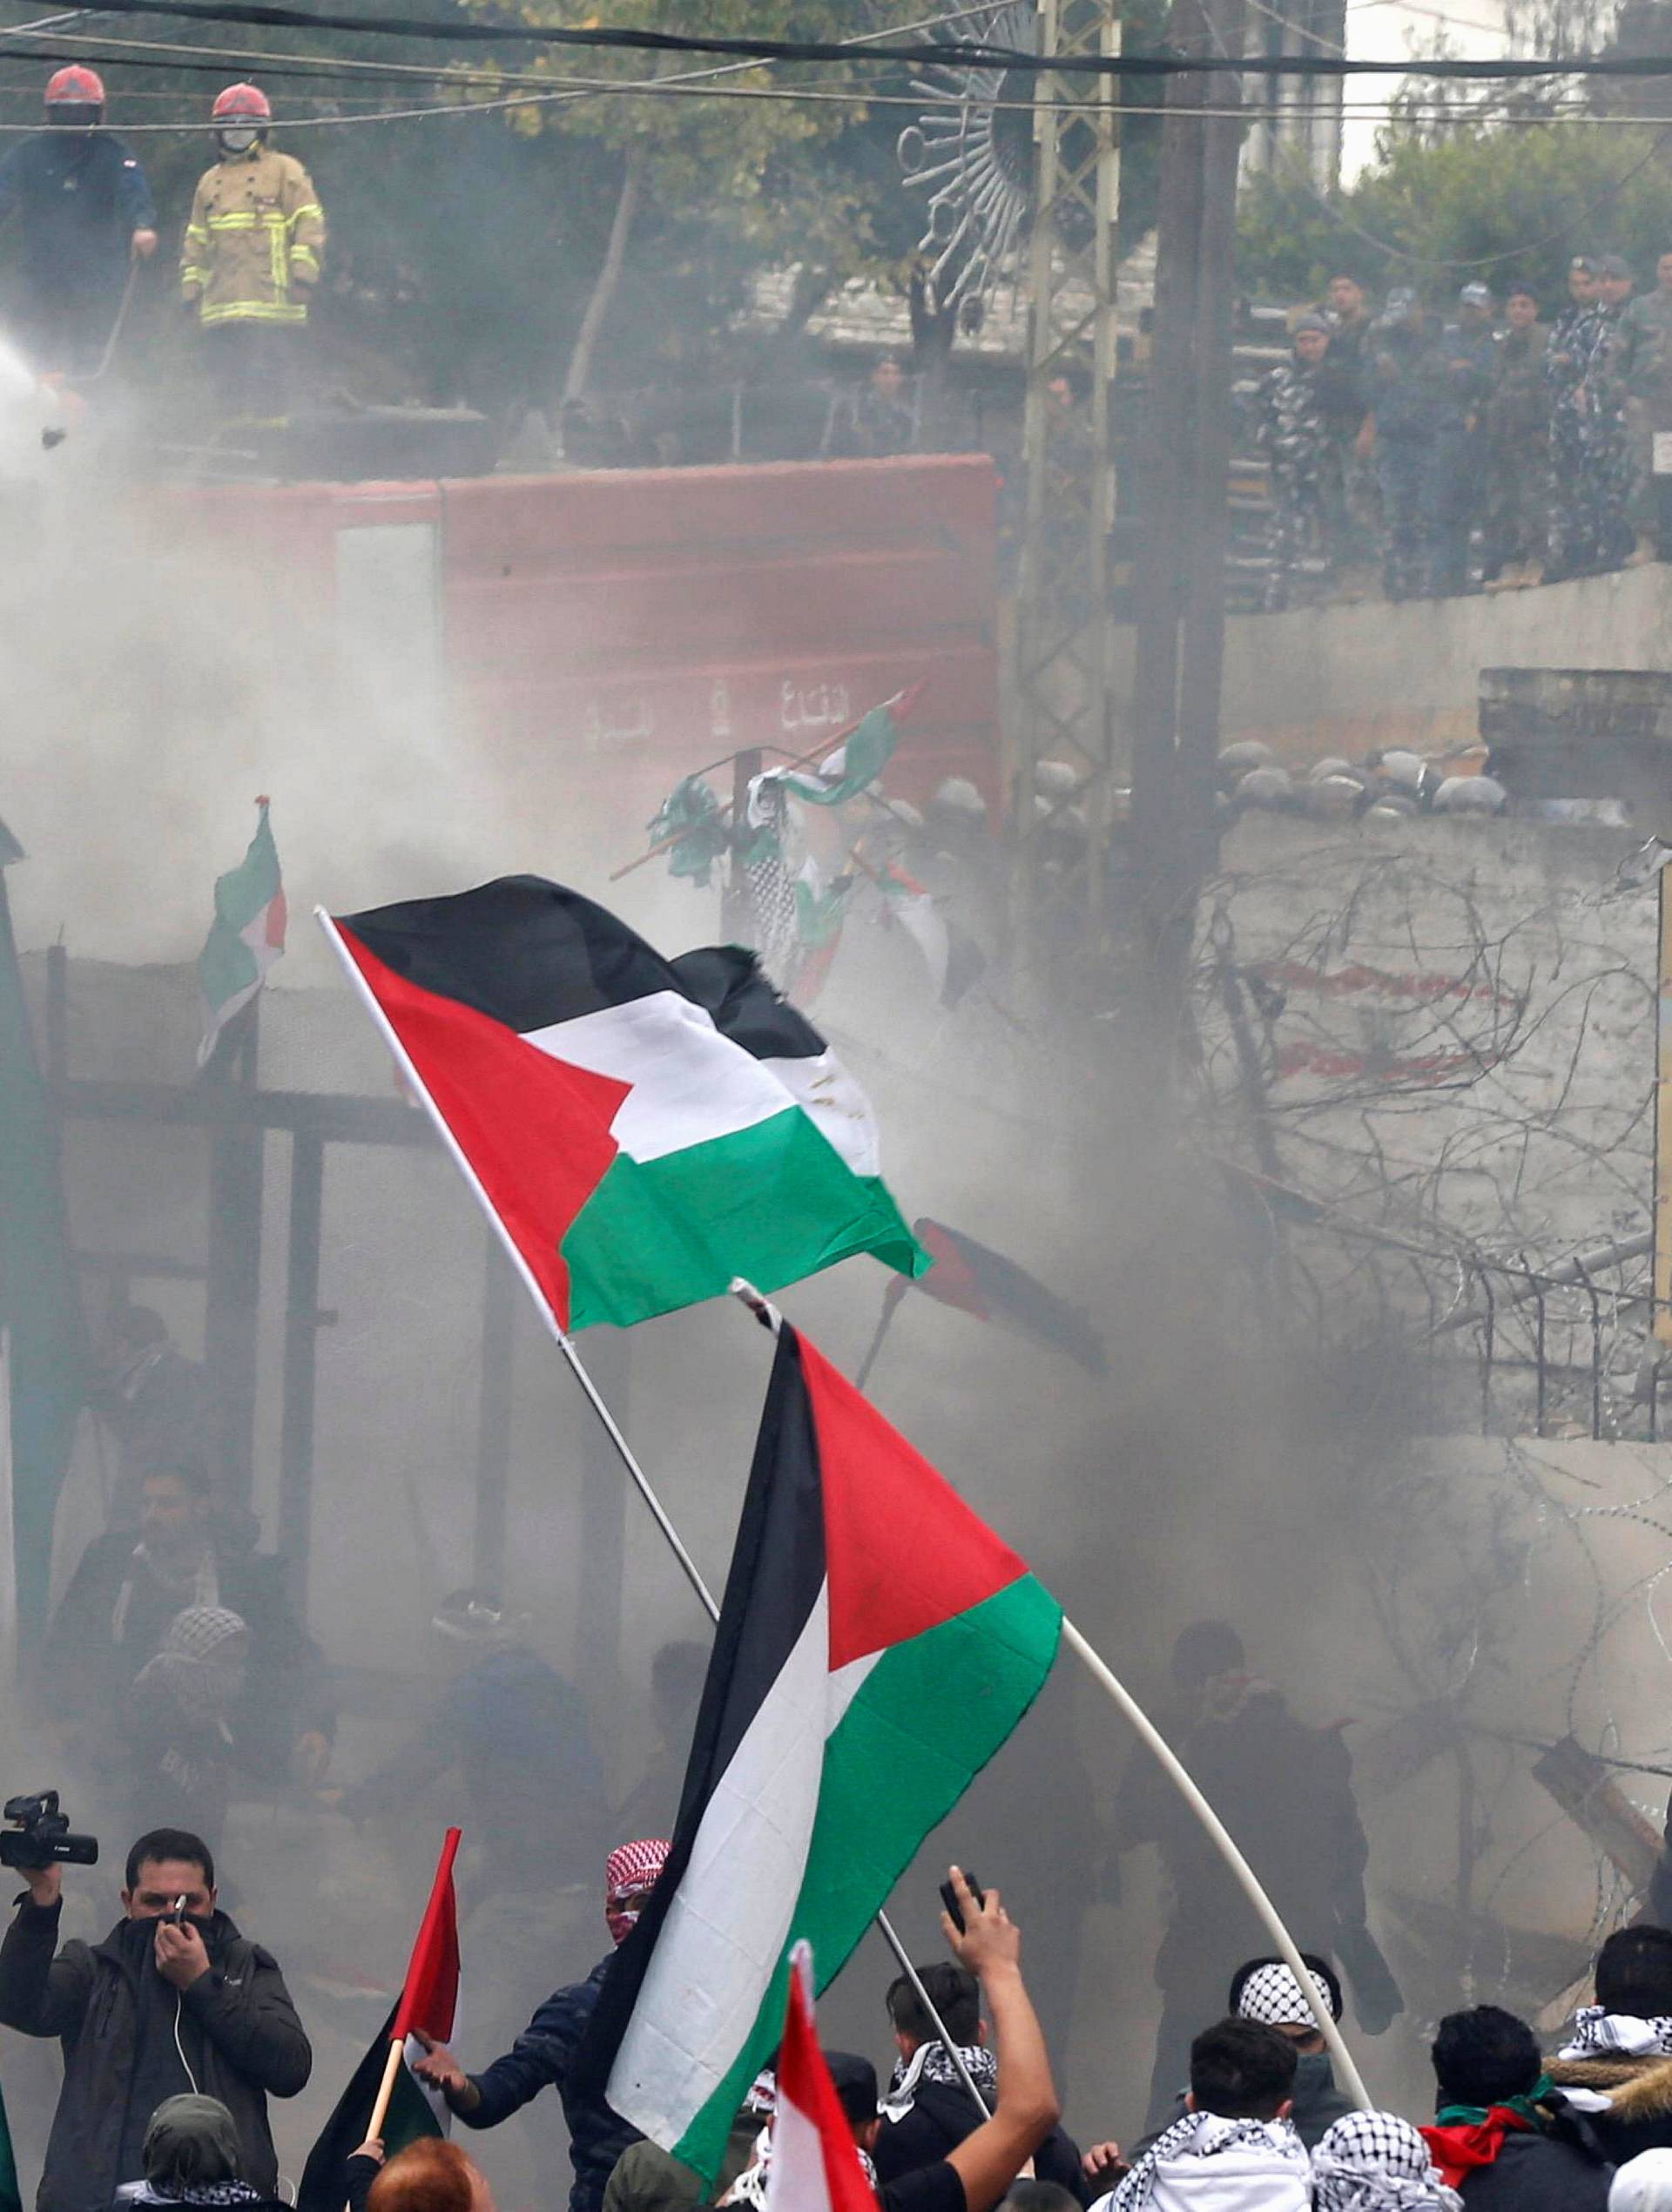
1346	2071
565	1344
554	1328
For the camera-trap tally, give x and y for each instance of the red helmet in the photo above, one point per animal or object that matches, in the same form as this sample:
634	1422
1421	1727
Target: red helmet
242	104
74	87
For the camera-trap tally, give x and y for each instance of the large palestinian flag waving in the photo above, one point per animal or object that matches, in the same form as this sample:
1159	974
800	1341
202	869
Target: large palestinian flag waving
646	1129
876	1646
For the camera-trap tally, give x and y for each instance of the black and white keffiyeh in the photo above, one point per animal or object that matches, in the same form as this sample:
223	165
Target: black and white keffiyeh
192	2193
1374	2162
934	2062
1274	1998
1594	2034
1272	2146
751	2185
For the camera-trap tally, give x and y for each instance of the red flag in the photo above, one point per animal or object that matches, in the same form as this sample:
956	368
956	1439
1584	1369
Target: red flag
815	2160
431	1994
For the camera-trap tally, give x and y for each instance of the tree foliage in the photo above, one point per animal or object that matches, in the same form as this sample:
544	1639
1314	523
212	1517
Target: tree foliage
1502	201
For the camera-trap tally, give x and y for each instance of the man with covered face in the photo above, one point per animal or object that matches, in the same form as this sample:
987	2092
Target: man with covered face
174	1998
544	2055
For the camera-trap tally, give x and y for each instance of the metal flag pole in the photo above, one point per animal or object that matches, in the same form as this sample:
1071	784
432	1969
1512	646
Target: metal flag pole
565	1344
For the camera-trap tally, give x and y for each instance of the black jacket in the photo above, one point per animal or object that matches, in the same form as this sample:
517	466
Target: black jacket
543	2055
1538	2174
117	2018
81	198
942	2113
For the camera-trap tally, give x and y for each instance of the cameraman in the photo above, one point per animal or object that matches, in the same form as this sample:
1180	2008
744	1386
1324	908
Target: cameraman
160	2007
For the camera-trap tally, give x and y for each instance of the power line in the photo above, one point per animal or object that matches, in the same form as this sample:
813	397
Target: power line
1359	112
1501	69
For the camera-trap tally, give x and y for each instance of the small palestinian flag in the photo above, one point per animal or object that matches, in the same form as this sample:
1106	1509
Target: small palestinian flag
645	1130
978	1280
877	1644
953	959
815	2160
428	2001
859	760
245	937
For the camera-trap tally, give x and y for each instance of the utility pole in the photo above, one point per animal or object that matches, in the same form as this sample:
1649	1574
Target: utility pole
1186	448
1060	710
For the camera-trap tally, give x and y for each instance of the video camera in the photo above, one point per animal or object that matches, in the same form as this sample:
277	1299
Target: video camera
43	1835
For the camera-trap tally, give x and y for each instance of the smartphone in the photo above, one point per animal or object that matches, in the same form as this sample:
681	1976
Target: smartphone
176	1912
949	1898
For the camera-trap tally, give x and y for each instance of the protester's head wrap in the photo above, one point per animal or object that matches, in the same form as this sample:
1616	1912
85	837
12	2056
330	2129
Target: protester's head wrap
1374	2162
630	1873
1643	2183
197	1666
1595	2033
1274	1998
1475	295
191	2140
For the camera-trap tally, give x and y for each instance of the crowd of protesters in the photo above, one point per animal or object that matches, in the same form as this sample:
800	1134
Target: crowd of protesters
178	2029
1499	444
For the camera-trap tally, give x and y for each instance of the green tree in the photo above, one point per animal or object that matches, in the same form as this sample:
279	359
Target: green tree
768	176
1507	203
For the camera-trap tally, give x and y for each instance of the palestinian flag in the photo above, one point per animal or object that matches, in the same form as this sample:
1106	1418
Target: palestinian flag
815	2160
427	2001
645	1130
978	1280
953	959
859	760
877	1645
245	937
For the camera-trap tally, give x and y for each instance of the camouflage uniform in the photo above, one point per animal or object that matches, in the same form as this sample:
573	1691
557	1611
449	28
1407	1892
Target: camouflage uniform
1291	430
1517	435
1590	447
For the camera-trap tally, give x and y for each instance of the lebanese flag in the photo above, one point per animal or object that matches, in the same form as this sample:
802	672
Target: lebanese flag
646	1130
430	2001
876	1646
815	2160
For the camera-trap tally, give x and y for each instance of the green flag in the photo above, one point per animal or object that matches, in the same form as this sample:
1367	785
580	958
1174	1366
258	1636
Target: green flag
859	760
245	937
11	2196
40	1301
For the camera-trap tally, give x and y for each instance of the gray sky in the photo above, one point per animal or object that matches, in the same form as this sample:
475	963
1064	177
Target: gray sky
1387	30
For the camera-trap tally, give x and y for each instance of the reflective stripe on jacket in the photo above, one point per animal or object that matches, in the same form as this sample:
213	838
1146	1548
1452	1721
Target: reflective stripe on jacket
253	243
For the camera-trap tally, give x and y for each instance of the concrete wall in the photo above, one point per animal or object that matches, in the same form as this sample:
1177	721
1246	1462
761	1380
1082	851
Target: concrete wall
1343	679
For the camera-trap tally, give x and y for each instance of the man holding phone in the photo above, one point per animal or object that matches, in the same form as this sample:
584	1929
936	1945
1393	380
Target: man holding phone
173	2000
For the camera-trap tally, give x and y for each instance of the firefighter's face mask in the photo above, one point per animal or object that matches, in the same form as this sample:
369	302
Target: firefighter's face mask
237	138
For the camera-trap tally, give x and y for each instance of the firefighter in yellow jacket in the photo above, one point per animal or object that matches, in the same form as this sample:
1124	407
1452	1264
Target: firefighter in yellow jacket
251	257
